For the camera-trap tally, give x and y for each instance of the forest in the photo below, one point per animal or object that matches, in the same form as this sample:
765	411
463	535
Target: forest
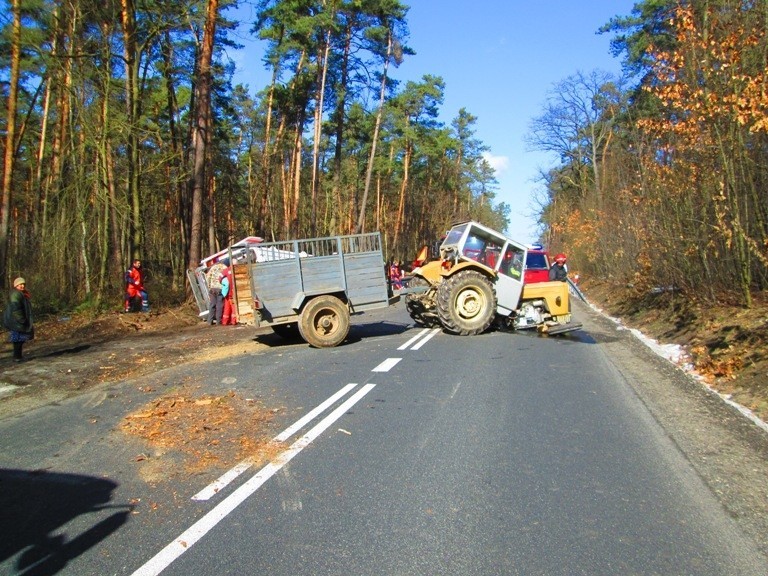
125	135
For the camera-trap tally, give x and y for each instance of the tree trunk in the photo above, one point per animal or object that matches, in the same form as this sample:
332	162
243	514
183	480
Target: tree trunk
292	213
63	107
369	171
403	189
341	105
200	136
10	138
130	48
37	185
323	72
104	158
176	180
266	159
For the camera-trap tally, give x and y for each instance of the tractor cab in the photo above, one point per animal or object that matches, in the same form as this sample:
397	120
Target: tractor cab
501	258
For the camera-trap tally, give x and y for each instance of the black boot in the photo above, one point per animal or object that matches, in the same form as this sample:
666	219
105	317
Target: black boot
17	351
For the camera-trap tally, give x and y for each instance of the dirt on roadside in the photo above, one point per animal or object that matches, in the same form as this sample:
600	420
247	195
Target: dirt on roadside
71	355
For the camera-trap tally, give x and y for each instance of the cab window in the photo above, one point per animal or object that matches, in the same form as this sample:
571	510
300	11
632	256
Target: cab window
512	262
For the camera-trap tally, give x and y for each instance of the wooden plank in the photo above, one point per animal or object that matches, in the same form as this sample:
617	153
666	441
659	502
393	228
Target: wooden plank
366	279
241	296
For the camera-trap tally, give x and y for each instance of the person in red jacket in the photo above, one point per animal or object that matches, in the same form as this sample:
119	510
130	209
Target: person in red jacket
134	286
396	275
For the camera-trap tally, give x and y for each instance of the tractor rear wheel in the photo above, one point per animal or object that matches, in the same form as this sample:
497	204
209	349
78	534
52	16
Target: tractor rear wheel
421	306
324	322
466	303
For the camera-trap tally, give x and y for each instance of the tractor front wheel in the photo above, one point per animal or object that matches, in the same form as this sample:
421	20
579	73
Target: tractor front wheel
466	303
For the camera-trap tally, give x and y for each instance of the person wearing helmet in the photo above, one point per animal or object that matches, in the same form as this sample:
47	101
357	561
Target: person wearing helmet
558	271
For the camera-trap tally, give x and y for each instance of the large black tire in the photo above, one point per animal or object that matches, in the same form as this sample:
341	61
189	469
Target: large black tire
466	303
289	331
421	307
324	322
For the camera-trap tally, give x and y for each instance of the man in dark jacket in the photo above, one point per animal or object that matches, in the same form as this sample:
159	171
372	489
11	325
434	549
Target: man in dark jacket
558	272
18	317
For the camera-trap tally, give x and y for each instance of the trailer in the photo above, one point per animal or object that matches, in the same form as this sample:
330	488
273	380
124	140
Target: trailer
308	287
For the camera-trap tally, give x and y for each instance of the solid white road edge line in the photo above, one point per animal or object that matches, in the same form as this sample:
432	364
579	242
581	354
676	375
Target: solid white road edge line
387	365
222	481
200	528
426	339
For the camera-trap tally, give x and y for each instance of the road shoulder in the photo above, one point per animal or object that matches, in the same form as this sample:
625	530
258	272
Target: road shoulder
728	451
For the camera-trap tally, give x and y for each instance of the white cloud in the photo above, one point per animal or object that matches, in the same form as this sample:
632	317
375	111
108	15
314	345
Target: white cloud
500	164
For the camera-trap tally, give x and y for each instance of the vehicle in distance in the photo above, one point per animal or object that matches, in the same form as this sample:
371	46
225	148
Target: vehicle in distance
536	264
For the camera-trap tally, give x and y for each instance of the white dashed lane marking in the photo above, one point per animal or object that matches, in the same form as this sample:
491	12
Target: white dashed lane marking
387	365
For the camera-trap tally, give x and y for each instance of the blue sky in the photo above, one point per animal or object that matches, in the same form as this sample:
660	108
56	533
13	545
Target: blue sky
499	59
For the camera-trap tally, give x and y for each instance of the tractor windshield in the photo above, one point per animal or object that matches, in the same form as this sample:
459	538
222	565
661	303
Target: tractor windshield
454	235
476	242
482	246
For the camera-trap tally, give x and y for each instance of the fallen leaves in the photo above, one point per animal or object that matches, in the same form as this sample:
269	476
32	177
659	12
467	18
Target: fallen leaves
713	367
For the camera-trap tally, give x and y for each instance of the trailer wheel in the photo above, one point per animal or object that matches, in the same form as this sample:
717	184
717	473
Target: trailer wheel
289	331
466	303
421	307
324	322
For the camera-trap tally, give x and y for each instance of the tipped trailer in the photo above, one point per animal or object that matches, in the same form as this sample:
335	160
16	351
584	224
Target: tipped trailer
308	287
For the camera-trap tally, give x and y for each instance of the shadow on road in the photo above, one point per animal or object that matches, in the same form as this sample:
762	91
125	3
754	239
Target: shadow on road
70	350
371	329
35	507
357	332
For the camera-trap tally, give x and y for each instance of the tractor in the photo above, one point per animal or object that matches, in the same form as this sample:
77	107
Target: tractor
479	280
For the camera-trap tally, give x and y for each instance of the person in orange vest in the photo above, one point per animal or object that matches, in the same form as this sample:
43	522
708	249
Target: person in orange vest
134	286
227	288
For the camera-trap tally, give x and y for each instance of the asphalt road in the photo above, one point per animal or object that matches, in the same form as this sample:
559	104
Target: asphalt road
428	454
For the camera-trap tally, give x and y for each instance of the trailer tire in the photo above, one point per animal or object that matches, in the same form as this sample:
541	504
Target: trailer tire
324	322
466	303
288	331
